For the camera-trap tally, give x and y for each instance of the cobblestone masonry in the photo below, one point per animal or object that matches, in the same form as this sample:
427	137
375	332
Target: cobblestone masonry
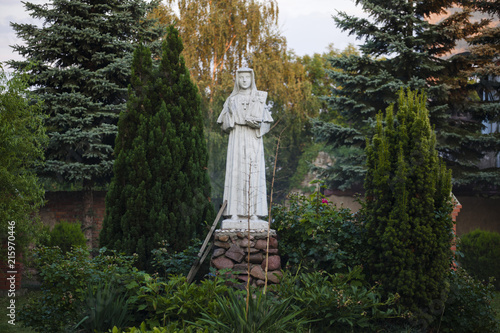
233	250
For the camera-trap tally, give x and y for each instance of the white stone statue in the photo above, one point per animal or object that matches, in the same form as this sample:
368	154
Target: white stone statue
246	119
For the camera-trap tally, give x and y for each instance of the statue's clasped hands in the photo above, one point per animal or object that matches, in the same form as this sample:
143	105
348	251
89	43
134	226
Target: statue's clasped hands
253	122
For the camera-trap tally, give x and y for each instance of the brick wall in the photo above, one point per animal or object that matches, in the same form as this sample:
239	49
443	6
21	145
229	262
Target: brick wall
456	209
68	206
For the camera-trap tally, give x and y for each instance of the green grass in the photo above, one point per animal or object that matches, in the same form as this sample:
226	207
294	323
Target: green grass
5	327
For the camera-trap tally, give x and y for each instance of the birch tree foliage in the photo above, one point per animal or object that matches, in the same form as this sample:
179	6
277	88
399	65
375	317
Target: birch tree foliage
221	36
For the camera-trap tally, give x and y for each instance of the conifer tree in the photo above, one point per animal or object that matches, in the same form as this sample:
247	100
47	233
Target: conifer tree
481	71
81	70
408	207
160	189
82	57
402	48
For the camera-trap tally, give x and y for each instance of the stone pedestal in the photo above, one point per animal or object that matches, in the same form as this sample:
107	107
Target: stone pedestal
232	249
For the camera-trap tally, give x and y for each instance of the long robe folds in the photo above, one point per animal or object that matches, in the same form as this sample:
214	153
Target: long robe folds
246	119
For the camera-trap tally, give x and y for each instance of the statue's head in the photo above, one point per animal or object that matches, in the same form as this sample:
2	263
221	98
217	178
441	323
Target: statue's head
244	80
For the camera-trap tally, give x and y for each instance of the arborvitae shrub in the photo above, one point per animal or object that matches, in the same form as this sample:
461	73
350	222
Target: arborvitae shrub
408	208
66	235
481	255
160	189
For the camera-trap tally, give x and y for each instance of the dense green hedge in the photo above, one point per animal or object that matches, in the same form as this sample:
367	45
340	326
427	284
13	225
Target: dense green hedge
481	255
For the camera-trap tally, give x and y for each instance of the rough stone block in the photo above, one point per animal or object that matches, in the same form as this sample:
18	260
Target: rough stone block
252	250
274	263
243	277
223	238
258	273
235	253
274	276
256	258
273	243
245	242
222	244
222	263
218	252
261	244
260	283
240	267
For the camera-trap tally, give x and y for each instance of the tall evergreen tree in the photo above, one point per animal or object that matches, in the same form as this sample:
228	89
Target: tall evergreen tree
401	49
481	72
408	207
160	189
81	57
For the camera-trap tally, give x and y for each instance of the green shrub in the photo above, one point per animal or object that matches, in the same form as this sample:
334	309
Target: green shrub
317	235
339	302
169	262
468	308
481	255
105	306
407	206
173	328
65	235
175	300
64	283
265	314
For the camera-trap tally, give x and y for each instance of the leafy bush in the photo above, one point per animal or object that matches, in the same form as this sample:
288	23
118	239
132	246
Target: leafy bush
65	235
481	253
104	307
265	314
175	300
338	302
468	307
64	282
316	235
173	328
167	261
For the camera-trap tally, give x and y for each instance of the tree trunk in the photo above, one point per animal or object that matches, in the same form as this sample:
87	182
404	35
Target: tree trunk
88	212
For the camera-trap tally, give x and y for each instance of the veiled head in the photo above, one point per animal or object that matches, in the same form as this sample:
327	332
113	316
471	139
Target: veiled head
245	79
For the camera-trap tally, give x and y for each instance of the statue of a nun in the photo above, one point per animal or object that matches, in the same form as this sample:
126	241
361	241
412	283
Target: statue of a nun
246	119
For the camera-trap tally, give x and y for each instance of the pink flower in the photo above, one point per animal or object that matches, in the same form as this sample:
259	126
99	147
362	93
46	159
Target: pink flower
324	200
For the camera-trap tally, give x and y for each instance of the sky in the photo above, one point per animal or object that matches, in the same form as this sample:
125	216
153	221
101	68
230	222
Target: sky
307	24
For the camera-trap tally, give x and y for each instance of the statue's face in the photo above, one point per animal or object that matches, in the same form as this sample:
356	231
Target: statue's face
245	80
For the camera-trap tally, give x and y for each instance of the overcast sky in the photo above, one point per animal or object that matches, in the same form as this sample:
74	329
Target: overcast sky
307	24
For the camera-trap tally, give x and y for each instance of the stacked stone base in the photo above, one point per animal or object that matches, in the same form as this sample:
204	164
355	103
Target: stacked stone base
231	249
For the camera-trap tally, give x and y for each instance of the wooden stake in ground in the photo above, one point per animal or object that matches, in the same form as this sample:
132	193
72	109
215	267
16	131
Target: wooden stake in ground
201	257
248	246
270	207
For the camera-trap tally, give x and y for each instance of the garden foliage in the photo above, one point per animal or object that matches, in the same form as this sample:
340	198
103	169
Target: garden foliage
65	280
408	206
160	190
175	300
339	302
167	262
480	251
266	313
22	137
65	235
317	235
104	307
468	306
